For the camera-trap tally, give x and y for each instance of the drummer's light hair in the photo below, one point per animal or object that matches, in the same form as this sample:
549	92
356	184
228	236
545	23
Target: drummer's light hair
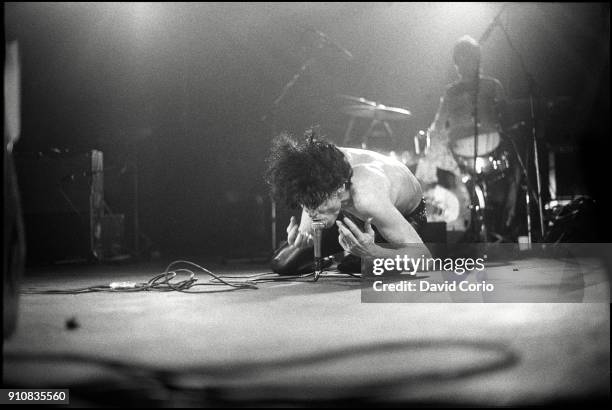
305	172
466	46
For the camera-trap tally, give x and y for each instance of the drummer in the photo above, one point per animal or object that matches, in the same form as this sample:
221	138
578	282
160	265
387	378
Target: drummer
454	120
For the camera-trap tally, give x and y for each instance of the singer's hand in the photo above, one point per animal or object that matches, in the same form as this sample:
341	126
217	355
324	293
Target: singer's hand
353	240
297	238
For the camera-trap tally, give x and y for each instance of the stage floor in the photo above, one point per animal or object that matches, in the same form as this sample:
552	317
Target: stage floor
299	343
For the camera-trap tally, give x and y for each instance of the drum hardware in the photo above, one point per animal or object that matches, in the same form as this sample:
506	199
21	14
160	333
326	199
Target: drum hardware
464	143
487	33
457	202
378	112
491	164
422	142
358	100
483	167
464	205
379	115
534	137
530	192
377	128
492	167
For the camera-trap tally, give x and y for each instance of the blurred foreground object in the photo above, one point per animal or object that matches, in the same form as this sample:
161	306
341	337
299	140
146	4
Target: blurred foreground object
14	241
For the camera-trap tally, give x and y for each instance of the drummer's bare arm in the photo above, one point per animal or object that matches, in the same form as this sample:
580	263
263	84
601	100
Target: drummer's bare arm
426	171
438	154
439	122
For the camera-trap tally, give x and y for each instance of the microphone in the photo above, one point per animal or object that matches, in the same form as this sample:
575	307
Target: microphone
331	43
485	36
318	233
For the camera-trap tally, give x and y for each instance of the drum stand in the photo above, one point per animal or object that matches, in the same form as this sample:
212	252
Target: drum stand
365	137
531	84
480	228
534	141
478	208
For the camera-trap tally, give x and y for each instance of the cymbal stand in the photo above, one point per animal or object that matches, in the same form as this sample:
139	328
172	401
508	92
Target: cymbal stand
375	122
532	85
481	214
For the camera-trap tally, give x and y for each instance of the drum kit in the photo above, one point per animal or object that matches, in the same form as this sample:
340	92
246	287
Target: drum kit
460	202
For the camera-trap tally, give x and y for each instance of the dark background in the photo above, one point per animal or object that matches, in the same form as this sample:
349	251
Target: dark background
183	88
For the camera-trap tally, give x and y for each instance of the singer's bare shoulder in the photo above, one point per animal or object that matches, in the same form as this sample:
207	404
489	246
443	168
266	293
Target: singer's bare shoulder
379	178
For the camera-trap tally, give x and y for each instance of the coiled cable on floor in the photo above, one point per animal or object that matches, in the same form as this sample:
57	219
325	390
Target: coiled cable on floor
165	282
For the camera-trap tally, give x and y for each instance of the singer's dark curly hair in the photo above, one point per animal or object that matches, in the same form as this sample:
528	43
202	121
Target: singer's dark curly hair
305	172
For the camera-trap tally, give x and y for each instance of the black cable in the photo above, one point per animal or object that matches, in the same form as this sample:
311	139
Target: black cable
223	391
160	283
163	282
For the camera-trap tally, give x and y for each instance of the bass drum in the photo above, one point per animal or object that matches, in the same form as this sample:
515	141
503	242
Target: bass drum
453	204
492	160
463	143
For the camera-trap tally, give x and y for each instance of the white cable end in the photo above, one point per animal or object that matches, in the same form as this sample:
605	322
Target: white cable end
122	285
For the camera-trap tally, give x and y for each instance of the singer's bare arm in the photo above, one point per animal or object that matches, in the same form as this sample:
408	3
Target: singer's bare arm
378	193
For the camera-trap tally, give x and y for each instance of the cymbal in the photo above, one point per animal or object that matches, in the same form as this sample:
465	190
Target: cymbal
359	100
377	112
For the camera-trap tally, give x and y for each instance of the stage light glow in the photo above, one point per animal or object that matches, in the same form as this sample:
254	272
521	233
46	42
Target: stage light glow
460	15
144	11
145	17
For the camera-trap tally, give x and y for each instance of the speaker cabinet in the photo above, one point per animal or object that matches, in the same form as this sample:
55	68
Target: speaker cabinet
63	204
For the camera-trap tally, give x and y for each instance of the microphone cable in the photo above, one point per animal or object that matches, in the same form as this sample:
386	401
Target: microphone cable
165	282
